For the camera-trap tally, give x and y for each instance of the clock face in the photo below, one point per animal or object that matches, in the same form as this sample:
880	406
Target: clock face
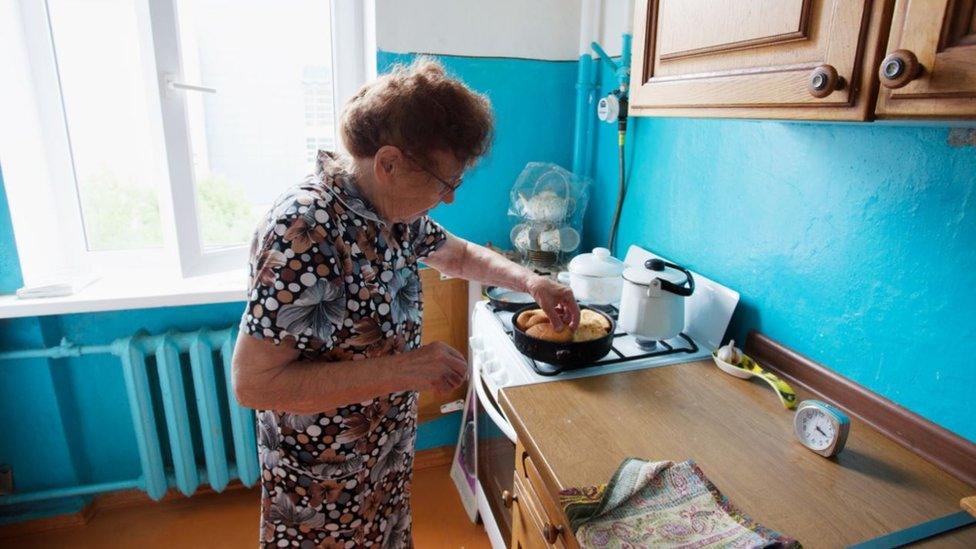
821	427
816	429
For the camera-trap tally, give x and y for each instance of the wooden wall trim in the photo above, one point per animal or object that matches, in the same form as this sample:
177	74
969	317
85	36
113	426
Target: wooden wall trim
945	449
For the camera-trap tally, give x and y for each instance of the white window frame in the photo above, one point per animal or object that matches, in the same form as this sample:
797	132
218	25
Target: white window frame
183	253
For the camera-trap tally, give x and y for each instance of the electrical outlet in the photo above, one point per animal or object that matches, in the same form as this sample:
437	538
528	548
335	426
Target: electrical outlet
6	479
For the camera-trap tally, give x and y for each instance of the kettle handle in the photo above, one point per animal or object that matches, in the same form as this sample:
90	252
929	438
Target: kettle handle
677	289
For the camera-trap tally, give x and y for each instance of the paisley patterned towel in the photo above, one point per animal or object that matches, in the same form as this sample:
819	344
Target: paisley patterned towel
662	504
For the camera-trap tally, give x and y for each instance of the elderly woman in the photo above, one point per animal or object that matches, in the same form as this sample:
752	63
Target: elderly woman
330	353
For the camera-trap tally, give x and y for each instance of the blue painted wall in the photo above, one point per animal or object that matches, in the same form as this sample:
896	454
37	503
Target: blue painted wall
534	104
854	244
10	278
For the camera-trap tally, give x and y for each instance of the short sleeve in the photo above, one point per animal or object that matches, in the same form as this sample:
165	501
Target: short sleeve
428	236
296	292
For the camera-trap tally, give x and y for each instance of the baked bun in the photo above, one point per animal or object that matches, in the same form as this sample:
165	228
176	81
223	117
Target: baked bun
546	332
589	316
530	318
589	332
536	324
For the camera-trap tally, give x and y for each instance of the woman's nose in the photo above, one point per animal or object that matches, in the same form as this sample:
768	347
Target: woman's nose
448	198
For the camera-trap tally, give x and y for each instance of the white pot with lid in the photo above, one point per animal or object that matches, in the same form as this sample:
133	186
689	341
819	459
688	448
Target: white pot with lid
652	304
595	277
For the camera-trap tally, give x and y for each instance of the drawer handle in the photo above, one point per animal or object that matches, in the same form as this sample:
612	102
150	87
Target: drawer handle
508	498
899	68
824	80
551	533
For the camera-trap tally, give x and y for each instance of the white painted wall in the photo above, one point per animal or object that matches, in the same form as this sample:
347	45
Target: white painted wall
615	20
534	29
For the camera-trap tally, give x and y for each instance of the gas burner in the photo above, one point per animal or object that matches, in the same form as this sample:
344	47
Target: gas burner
647	344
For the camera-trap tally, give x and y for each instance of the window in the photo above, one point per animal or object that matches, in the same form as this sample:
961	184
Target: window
154	133
319	110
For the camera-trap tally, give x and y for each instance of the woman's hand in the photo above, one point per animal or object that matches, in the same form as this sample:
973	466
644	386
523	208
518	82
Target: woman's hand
436	366
556	300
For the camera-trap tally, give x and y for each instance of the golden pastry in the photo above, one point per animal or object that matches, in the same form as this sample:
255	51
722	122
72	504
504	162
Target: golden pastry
546	332
530	318
589	331
590	316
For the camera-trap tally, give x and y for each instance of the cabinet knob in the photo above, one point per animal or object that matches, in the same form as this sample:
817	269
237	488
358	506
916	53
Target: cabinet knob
551	533
508	498
899	68
824	80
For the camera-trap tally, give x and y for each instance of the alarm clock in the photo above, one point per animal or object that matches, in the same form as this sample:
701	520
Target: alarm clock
821	427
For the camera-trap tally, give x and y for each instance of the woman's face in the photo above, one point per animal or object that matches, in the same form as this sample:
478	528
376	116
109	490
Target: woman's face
411	188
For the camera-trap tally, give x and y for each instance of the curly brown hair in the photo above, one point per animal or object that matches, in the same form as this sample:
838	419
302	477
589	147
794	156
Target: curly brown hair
418	108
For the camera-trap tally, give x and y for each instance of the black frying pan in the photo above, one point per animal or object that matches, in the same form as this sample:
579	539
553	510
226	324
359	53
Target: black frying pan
503	299
564	356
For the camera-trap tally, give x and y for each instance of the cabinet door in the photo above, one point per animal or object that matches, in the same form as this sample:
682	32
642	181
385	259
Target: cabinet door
939	38
795	59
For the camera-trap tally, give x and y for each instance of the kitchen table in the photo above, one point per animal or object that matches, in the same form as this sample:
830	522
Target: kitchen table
576	433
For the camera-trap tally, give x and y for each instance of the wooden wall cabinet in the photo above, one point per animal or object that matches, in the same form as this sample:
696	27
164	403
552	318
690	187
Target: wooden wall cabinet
930	70
801	59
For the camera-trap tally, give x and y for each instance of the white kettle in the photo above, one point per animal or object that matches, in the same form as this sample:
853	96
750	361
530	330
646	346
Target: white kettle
652	304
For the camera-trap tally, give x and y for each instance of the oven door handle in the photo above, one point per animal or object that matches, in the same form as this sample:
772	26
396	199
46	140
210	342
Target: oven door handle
488	405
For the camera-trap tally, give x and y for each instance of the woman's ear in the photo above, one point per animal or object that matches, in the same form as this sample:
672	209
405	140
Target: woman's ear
386	162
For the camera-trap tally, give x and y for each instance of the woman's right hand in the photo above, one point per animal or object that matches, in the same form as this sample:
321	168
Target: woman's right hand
436	366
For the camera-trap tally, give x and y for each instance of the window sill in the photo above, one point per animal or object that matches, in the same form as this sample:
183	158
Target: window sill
133	292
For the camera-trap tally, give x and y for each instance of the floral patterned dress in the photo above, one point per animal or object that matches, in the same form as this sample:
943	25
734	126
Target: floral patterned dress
331	278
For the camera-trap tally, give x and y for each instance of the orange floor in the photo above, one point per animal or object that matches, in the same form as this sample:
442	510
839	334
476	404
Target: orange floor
231	520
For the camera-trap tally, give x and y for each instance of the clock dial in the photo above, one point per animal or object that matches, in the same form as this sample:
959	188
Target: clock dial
818	430
821	427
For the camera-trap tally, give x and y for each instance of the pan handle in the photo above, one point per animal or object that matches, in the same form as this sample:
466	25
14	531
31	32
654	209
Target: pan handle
561	354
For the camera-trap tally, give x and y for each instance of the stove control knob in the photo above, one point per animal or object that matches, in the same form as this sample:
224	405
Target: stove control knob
500	377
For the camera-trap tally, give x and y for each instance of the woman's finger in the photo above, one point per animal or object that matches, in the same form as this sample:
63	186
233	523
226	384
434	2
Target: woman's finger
573	311
555	314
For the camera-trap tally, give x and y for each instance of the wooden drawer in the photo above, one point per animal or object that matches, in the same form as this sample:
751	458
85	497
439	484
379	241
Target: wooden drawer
539	497
526	526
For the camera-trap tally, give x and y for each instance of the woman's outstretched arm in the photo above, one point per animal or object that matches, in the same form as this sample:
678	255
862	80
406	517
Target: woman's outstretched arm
462	259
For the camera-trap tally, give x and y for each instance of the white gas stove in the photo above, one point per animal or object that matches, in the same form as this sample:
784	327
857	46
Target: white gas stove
485	458
500	364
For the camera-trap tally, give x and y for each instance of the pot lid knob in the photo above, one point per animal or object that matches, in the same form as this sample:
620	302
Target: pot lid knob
654	264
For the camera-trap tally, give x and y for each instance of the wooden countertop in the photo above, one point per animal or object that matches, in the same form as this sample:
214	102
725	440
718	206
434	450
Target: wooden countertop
578	431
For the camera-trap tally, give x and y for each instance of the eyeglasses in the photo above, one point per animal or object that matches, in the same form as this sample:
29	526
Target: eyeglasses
448	186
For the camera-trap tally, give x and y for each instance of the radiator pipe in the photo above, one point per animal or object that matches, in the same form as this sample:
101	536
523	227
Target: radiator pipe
585	88
91	489
146	343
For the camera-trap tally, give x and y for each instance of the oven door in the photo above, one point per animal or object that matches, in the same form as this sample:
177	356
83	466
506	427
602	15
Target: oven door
495	455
